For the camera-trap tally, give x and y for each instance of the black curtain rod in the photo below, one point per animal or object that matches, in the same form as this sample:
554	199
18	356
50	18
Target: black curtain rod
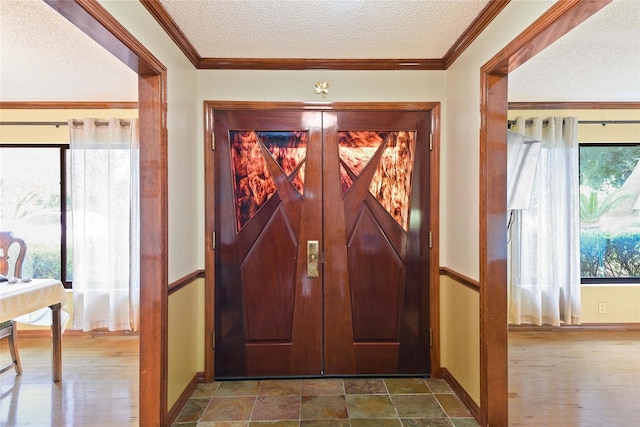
58	124
584	122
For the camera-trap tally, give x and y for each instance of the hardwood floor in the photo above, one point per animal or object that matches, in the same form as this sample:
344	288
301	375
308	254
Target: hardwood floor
99	384
575	378
556	378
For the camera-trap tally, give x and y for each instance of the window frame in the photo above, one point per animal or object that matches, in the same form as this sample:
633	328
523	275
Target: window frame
63	152
606	280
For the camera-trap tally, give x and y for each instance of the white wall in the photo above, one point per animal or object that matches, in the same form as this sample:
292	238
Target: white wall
460	198
461	151
185	196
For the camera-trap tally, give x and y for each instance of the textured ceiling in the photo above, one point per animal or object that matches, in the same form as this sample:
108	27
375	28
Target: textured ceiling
43	57
323	29
598	61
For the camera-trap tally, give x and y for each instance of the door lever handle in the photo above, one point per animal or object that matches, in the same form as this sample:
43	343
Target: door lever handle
312	258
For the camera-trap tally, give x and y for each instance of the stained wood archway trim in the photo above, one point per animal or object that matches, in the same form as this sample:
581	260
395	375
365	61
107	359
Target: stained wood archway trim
97	23
561	18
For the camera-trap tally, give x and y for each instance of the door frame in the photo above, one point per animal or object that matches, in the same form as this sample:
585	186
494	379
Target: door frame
558	20
210	209
95	21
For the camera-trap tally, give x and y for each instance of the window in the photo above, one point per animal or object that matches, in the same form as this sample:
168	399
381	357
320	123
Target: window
34	207
610	213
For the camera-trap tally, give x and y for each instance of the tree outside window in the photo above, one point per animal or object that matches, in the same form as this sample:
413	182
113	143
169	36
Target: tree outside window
609	212
31	208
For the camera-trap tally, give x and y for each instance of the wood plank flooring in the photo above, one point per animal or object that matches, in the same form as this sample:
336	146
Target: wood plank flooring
99	384
564	379
575	378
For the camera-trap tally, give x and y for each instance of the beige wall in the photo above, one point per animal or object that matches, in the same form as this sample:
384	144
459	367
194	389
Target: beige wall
185	197
460	203
461	150
186	338
460	334
50	134
622	303
593	133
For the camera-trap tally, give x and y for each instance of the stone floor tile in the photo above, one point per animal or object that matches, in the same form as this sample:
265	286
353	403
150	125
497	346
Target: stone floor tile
205	389
320	387
323	407
370	406
438	385
406	386
325	423
452	405
276	408
192	410
229	409
280	423
237	388
426	422
375	422
280	388
223	424
465	422
364	386
417	406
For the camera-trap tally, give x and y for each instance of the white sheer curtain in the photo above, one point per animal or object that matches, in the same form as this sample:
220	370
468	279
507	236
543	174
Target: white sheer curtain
544	246
105	197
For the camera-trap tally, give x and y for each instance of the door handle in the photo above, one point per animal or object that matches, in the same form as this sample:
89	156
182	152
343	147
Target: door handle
312	258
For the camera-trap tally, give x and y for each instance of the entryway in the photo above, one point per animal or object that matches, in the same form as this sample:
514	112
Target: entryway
321	222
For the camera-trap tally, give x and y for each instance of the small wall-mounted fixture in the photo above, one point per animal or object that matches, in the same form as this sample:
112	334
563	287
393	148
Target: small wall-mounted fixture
322	88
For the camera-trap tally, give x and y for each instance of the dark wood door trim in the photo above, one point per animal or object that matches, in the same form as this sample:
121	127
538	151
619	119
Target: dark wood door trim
320	106
210	208
97	23
557	21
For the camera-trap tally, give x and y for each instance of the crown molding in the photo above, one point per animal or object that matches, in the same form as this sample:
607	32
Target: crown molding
491	10
163	18
318	64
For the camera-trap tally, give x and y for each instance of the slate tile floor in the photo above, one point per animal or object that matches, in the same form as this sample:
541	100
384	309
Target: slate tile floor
389	402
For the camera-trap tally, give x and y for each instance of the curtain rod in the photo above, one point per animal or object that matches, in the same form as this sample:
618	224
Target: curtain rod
58	124
584	122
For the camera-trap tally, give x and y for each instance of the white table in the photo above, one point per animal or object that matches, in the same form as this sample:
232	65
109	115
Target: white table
21	298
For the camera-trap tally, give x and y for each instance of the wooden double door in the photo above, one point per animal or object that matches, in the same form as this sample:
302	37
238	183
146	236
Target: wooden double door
322	243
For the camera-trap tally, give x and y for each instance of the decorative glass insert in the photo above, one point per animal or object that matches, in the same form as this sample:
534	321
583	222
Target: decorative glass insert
391	184
298	179
289	150
345	180
356	150
253	184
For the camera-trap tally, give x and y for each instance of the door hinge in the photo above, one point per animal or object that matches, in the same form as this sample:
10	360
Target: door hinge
213	240
213	142
213	340
430	240
430	337
430	142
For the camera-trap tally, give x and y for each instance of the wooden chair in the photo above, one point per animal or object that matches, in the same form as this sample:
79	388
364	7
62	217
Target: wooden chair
8	328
